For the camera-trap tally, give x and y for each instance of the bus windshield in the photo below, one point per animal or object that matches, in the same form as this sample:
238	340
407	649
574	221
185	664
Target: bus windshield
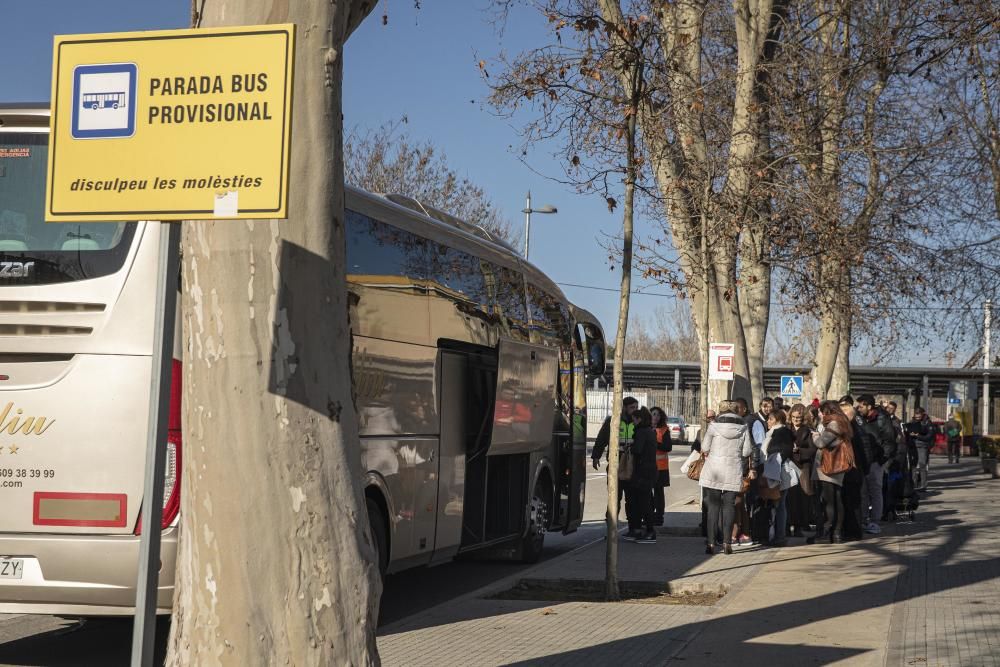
57	252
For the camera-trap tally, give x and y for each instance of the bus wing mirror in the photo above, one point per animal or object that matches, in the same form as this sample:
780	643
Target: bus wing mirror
596	358
593	338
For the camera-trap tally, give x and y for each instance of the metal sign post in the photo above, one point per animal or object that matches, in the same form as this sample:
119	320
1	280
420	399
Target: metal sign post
144	629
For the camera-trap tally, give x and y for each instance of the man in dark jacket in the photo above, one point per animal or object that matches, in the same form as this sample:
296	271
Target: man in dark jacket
625	430
639	489
758	511
854	487
881	434
921	432
890	409
757	422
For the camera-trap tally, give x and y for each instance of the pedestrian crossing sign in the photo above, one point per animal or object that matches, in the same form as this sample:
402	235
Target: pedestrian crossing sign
791	386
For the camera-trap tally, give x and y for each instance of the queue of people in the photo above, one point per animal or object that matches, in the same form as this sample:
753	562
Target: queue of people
830	471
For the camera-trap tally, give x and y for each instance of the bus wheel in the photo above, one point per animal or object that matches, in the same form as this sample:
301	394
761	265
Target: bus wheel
380	534
538	515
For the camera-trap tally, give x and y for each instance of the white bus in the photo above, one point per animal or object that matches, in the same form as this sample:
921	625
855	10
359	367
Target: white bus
469	365
76	345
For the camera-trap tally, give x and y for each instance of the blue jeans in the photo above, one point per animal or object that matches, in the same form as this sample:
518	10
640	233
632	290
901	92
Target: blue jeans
781	518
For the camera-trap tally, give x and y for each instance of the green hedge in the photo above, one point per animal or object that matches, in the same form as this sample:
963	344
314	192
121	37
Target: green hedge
989	447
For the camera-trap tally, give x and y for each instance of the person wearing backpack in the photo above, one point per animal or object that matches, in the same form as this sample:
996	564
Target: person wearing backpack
953	431
922	433
639	487
626	431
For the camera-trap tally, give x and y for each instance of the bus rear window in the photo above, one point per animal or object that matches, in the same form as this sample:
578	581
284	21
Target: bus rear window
57	252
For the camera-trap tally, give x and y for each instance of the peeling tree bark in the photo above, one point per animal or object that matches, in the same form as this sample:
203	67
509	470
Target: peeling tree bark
276	564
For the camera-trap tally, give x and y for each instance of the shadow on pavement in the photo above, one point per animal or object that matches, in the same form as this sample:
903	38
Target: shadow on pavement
922	572
941	559
96	642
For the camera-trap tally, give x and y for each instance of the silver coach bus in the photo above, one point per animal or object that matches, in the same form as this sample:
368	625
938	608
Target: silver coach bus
470	369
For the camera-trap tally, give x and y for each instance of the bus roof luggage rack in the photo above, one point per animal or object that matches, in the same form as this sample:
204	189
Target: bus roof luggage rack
446	218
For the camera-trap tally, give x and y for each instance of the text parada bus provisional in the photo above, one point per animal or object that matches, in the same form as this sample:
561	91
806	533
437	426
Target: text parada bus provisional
208	112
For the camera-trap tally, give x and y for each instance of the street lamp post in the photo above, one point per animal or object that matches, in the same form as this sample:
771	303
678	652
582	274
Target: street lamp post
548	208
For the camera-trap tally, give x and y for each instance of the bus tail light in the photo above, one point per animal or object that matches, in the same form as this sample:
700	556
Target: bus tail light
172	474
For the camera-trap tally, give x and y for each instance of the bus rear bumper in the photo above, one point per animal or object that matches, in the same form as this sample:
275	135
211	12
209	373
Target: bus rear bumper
82	575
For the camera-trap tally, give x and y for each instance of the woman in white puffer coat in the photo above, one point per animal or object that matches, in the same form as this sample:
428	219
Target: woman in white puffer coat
726	446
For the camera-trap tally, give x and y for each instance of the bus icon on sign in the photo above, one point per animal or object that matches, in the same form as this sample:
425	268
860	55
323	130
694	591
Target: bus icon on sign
104	100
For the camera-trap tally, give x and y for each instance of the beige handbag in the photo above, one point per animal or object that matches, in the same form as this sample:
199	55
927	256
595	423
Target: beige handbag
805	477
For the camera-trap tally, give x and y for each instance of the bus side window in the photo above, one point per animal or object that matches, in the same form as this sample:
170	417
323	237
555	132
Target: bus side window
460	275
549	317
387	270
377	249
509	303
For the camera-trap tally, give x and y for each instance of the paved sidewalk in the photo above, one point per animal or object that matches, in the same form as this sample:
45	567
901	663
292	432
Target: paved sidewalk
921	594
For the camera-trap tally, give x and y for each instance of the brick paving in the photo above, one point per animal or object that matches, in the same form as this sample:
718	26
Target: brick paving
947	602
921	594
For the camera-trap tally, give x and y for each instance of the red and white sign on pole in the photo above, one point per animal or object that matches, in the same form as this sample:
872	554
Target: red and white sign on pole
721	358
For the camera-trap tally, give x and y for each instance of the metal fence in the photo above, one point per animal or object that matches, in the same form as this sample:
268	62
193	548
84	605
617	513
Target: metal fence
682	402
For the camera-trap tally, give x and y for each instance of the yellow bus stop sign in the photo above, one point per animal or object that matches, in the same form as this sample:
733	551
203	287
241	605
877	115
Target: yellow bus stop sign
171	125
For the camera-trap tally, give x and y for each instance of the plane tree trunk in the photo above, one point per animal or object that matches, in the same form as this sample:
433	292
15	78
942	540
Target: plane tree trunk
276	564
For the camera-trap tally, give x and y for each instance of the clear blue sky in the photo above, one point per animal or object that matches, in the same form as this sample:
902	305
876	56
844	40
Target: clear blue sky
421	65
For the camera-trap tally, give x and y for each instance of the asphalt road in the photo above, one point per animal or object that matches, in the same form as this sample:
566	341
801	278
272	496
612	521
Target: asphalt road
58	642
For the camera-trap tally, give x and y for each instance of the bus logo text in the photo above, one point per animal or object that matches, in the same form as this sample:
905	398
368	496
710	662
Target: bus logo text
19	423
16	269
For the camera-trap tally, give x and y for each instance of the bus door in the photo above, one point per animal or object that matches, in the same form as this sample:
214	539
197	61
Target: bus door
588	362
455	420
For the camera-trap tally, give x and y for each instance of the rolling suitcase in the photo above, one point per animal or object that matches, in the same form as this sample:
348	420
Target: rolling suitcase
903	497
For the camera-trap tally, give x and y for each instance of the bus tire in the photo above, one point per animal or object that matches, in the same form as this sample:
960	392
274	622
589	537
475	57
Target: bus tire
380	534
538	512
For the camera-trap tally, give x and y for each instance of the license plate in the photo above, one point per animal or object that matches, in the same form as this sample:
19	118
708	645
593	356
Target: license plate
11	568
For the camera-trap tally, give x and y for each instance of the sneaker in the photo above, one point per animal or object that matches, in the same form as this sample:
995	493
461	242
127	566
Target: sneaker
630	536
648	538
873	529
743	538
